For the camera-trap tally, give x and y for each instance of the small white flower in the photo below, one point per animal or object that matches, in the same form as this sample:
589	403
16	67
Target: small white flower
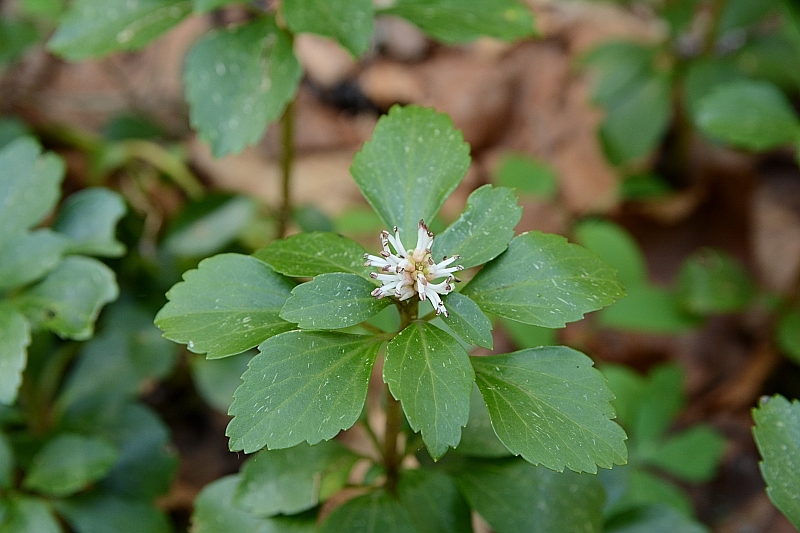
405	273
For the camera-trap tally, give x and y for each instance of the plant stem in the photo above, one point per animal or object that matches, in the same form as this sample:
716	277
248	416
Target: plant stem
287	158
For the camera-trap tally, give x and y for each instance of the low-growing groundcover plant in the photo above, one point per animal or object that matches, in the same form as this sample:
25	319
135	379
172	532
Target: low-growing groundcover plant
320	339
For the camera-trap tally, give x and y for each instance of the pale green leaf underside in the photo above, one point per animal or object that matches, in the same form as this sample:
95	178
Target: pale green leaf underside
28	256
749	114
414	160
30	186
430	373
483	231
238	81
514	496
15	336
311	254
376	512
229	304
303	386
25	515
551	407
89	218
350	22
93	28
455	21
68	463
467	320
777	433
292	480
545	281
332	301
69	299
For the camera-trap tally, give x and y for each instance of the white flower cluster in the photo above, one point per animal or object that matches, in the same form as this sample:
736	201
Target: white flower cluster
405	273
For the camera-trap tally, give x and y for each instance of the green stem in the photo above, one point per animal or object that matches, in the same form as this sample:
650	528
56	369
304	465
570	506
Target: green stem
394	414
163	160
287	159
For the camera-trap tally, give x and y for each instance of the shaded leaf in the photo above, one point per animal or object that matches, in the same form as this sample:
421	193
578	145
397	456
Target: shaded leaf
691	455
777	434
429	372
711	281
332	301
483	230
101	513
478	439
302	386
229	304
527	175
238	80
789	334
94	28
644	488
654	519
447	512
661	400
545	281
89	218
311	254
26	515
6	465
467	320
27	257
201	6
30	187
514	496
527	336
15	336
376	512
69	299
293	480
648	308
456	21
550	406
69	463
217	379
614	245
348	21
414	160
748	114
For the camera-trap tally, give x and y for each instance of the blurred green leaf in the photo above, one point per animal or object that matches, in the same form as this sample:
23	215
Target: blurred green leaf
94	28
28	515
89	218
748	114
646	489
376	512
654	519
446	512
627	386
616	66
772	58
648	308
302	386
527	175
16	37
311	254
238	80
777	434
29	256
659	404
11	128
527	336
201	6
711	281
7	465
643	186
101	513
359	220
309	218
737	14
350	22
412	163
217	379
15	336
614	245
125	127
478	438
691	455
789	334
467	320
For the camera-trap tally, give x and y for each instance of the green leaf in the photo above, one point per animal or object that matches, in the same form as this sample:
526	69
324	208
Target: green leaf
527	175
467	320
456	21
777	434
691	455
614	245
89	218
69	299
628	387
303	386
414	160
527	336
217	379
201	6
26	515
739	14
483	231
30	187
703	77
478	438
711	281
15	336
446	512
239	80
648	308
229	304
309	218
654	519
332	301
6	465
27	257
514	496
637	119
550	406
101	513
93	28
69	463
11	128
206	226
789	334
16	38
645	489
293	480
616	66
306	255
215	512
348	21
376	512
661	400
429	372
749	114
643	187
545	281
